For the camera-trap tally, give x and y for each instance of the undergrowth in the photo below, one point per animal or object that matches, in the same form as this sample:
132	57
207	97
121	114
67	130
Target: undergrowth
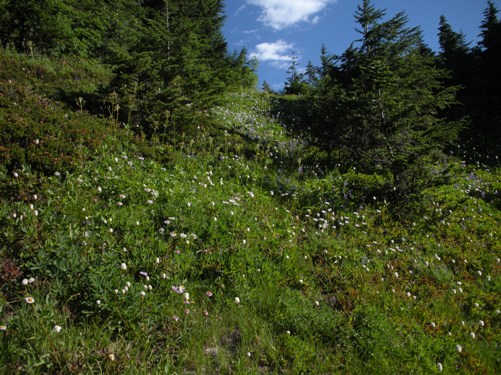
231	251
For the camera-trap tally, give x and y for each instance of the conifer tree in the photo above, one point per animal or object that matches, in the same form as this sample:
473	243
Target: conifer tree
455	57
485	100
453	45
294	84
383	96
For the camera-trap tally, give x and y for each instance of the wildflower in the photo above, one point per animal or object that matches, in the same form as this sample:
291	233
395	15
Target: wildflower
16	175
440	367
3	328
98	302
175	317
142	293
186	296
208	293
123	266
186	311
57	174
237	300
459	348
29	300
178	289
57	328
481	323
472	334
111	357
25	282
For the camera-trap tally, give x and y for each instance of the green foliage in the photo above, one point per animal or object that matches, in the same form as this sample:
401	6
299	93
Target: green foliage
295	84
228	241
379	103
166	55
327	279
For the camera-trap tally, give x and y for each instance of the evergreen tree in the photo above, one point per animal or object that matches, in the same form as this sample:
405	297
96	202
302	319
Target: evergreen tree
489	27
453	45
484	102
383	97
267	88
295	84
455	57
312	74
169	57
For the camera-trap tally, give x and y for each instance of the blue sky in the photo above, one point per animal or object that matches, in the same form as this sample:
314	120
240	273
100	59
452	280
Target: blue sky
271	30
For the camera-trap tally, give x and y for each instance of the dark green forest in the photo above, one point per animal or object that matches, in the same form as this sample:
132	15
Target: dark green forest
161	214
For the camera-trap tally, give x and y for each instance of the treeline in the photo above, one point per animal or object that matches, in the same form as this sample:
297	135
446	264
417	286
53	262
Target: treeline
169	57
389	105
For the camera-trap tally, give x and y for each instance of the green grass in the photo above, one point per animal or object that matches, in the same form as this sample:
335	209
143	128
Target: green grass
330	277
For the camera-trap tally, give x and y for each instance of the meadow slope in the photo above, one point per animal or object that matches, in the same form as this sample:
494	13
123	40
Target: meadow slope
229	249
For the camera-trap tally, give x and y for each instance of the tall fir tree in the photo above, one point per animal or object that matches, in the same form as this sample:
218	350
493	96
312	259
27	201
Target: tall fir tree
295	84
455	56
485	100
383	98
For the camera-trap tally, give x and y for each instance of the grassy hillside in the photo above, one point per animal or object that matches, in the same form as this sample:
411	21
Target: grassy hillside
228	251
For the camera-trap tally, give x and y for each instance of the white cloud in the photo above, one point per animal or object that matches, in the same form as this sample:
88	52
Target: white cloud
239	10
280	14
278	53
282	65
